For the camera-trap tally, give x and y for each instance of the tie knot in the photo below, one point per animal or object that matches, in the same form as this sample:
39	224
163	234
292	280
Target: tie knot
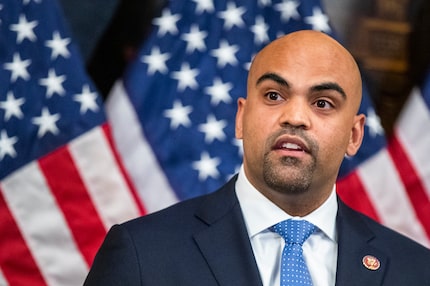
294	231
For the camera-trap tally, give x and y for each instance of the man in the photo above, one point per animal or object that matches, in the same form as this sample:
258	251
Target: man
297	123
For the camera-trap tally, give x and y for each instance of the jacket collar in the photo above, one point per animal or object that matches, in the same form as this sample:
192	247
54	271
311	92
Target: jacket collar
226	247
225	243
355	251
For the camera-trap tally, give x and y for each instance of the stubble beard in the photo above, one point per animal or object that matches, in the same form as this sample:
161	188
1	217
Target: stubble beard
289	175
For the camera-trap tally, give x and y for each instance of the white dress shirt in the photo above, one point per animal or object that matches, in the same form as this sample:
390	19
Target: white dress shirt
319	250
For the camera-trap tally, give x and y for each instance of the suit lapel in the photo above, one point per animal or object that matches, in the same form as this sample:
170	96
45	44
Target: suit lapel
354	244
227	249
225	243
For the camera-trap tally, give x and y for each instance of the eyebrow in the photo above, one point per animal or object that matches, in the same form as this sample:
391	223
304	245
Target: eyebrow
274	77
319	87
329	86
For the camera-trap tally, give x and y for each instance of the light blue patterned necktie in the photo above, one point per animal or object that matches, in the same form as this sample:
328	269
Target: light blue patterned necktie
294	271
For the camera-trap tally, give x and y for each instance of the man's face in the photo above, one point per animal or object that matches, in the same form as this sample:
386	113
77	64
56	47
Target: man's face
298	120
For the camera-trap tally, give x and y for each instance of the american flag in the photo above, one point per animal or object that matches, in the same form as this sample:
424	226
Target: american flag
393	186
61	185
176	104
172	115
175	107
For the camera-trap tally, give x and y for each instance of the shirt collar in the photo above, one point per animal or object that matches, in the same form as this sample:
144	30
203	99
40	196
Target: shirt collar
260	213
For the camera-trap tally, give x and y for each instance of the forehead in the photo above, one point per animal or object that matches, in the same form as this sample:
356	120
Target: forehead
302	55
307	62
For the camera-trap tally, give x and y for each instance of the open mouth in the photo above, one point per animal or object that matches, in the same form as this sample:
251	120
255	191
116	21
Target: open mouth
292	144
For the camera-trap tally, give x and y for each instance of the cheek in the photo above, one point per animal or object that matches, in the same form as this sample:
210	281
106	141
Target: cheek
251	135
254	122
255	133
333	143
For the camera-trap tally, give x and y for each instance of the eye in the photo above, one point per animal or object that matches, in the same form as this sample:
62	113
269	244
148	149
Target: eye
323	104
273	96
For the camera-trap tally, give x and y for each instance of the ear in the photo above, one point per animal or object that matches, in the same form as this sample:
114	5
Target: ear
357	133
239	117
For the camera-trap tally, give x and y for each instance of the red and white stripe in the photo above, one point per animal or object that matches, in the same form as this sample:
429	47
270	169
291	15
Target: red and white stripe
56	211
413	138
139	160
3	280
394	185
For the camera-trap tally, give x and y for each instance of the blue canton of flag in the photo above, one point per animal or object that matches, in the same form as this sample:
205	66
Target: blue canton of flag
184	87
426	91
43	86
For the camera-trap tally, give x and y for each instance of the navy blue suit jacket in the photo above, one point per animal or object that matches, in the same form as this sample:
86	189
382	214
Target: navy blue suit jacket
204	241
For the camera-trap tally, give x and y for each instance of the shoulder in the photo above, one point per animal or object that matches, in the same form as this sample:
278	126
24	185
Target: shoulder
187	215
179	215
390	241
397	242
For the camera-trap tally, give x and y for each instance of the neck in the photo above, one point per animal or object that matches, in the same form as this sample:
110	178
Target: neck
298	205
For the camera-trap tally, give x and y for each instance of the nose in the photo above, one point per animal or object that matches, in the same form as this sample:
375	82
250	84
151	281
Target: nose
295	112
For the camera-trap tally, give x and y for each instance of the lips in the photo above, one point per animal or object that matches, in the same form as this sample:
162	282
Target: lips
291	144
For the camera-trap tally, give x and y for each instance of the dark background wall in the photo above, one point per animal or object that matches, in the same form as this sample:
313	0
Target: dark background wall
88	20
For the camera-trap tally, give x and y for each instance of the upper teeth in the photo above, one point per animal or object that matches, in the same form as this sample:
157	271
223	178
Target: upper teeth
291	146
